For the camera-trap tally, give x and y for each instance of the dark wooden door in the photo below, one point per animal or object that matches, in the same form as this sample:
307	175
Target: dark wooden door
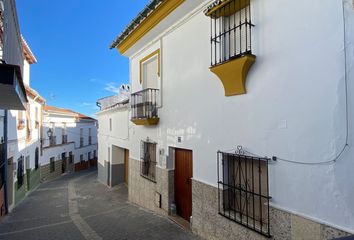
126	166
183	182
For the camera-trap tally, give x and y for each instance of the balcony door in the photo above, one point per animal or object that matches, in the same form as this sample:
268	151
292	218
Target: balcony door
150	73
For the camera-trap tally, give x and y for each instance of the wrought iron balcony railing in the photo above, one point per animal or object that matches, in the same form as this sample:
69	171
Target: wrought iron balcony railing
144	106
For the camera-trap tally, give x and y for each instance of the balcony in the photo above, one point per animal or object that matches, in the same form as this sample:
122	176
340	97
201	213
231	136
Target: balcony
64	139
145	107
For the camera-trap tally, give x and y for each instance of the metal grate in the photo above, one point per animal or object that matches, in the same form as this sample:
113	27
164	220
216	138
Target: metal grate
148	160
144	104
243	194
230	27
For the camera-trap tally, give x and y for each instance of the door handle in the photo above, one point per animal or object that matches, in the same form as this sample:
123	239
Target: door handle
188	180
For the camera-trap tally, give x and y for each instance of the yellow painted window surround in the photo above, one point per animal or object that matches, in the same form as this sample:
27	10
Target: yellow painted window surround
151	55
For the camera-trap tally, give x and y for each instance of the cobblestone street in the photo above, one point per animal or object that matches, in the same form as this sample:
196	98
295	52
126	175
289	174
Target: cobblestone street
76	206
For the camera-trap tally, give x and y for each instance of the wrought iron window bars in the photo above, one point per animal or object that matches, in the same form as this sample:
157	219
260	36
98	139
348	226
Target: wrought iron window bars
148	160
243	192
230	26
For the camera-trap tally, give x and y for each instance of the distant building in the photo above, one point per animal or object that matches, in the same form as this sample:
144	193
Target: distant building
113	138
69	142
220	87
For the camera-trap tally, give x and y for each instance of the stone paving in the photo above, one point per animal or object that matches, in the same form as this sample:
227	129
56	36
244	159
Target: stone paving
76	206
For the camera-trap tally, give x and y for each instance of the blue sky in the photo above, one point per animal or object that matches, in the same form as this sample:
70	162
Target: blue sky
70	40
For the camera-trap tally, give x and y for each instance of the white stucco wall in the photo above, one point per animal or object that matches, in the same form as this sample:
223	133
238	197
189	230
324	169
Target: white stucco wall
118	136
295	107
18	145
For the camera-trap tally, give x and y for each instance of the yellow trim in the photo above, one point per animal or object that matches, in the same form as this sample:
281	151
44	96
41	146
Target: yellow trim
233	74
227	11
157	52
145	121
157	15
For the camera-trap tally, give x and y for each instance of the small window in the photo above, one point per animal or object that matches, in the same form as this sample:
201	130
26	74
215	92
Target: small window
94	154
230	30
89	155
148	160
243	187
20	172
52	164
81	157
110	124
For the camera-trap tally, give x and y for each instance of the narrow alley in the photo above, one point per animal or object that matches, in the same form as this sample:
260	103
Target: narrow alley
76	206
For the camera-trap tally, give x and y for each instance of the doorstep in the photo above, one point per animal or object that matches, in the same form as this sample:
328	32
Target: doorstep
180	221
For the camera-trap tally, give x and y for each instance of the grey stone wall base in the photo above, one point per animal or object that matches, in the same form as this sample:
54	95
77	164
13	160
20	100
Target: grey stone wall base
208	224
45	173
146	193
117	174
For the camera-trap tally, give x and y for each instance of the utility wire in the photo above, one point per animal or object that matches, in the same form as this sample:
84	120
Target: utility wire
346	144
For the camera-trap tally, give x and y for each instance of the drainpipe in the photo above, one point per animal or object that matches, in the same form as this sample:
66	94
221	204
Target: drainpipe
6	162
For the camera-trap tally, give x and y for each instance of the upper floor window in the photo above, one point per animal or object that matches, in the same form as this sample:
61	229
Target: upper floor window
145	103
36	118
110	124
150	70
230	27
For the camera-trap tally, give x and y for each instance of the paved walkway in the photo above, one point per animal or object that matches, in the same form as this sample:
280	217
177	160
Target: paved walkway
76	206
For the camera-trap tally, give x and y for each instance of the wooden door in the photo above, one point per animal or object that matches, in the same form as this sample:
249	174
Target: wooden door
126	166
183	182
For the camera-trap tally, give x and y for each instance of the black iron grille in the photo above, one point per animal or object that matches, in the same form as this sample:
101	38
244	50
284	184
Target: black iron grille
230	27
144	104
243	193
148	160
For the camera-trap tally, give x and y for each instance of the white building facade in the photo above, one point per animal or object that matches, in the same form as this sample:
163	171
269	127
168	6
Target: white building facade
24	134
69	142
113	137
217	90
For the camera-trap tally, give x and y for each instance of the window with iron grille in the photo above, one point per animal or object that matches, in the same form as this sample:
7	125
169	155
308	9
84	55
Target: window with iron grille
230	27
148	160
20	172
243	194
